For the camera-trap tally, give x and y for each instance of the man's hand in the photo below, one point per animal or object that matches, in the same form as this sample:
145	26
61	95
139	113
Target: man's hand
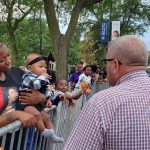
32	96
28	120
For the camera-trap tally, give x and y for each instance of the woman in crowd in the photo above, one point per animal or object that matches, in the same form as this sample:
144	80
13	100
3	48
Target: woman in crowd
12	76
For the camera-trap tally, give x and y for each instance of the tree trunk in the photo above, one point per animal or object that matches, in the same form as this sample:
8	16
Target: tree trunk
61	42
61	58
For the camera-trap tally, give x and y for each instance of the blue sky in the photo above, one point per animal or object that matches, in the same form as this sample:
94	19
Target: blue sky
146	39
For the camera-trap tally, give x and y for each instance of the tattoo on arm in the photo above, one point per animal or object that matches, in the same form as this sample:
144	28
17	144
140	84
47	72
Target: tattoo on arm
9	117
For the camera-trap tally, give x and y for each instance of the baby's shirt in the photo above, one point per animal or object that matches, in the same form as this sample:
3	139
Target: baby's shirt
36	82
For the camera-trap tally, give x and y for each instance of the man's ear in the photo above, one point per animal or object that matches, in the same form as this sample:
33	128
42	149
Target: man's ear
116	66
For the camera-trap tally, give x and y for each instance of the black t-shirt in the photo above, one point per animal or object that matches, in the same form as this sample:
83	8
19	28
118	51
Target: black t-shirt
13	78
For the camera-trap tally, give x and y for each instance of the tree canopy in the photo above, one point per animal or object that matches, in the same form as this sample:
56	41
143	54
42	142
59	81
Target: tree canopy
68	28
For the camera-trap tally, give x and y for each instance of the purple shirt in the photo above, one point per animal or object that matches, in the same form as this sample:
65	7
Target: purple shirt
117	118
75	77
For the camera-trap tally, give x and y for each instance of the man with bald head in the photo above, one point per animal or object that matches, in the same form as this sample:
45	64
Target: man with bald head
118	118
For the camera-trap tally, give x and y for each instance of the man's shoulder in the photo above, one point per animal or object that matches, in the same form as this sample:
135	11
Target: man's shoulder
108	96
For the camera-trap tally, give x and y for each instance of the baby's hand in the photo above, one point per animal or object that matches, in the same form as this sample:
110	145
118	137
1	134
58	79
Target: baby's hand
49	103
46	75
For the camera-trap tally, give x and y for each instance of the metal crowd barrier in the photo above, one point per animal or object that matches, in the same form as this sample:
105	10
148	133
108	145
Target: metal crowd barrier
14	137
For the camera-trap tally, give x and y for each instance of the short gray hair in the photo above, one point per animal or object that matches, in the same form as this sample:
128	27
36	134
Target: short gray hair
129	50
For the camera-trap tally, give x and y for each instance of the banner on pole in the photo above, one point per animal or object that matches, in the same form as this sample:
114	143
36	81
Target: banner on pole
115	30
104	34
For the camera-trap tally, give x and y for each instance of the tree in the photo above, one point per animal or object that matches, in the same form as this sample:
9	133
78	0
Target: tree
61	41
28	32
13	21
28	36
133	15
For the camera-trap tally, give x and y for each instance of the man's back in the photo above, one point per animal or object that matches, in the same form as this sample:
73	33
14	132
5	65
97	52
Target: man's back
129	125
117	118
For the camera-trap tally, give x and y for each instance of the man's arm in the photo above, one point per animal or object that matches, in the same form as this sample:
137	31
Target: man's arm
27	119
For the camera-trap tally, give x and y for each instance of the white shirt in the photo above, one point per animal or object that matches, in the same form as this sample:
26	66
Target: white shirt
84	78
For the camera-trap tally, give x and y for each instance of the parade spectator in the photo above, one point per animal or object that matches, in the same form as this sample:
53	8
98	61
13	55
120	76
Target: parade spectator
37	78
118	118
92	78
62	93
85	78
104	74
11	76
98	75
75	76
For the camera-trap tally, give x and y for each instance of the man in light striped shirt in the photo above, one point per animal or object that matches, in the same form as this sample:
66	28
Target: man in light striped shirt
118	118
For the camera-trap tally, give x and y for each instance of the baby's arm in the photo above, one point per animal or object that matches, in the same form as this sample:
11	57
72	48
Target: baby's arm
49	103
32	81
39	82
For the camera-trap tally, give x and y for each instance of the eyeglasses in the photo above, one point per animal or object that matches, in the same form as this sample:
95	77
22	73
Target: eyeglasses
111	59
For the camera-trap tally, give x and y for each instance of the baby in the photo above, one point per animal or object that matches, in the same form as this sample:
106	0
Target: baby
38	79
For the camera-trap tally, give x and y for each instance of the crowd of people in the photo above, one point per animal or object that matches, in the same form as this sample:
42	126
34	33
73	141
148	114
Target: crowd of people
89	73
115	118
26	92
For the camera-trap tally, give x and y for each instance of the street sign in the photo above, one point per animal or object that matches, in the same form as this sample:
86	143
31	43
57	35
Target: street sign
104	33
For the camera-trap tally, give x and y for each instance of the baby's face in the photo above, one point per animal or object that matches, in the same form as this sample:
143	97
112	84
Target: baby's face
39	67
62	85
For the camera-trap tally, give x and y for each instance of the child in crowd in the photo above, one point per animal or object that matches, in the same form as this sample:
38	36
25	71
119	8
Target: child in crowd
63	93
38	79
85	80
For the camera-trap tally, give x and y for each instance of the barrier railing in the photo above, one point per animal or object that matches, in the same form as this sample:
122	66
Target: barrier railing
14	137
